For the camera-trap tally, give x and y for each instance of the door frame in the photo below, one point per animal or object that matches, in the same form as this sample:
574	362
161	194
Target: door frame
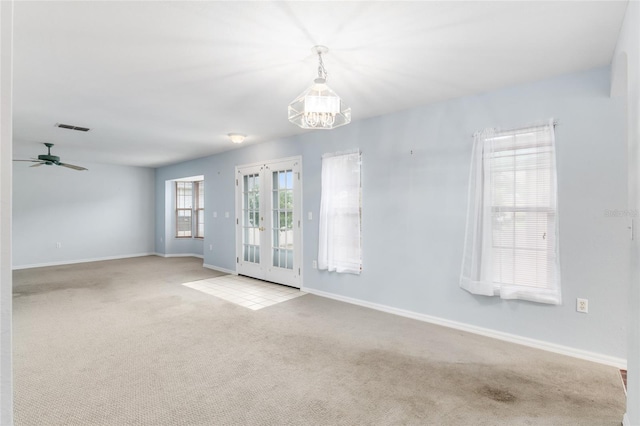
298	205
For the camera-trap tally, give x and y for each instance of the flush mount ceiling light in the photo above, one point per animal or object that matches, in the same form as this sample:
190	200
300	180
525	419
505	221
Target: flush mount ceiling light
237	137
319	107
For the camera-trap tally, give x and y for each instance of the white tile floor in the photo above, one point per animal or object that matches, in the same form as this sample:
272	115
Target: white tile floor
244	291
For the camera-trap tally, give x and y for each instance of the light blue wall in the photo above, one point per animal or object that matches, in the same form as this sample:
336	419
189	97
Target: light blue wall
105	212
219	194
627	85
415	175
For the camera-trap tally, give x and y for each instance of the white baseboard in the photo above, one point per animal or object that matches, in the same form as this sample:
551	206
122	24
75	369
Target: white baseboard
182	255
219	269
533	343
71	262
625	420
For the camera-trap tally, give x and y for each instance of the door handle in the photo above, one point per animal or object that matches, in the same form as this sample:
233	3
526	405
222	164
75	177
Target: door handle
261	228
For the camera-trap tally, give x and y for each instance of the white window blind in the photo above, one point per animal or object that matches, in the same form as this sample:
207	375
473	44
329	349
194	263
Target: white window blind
511	246
189	205
339	247
199	208
184	209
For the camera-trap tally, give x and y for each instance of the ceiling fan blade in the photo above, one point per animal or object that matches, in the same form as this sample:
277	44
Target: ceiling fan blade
71	166
37	165
32	161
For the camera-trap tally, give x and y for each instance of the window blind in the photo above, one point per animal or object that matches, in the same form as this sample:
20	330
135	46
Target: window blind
184	206
511	247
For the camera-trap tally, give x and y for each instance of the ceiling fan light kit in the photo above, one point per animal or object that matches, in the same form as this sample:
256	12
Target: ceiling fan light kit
319	107
51	160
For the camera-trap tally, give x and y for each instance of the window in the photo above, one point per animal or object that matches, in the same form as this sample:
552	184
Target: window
282	208
511	246
199	208
189	204
339	247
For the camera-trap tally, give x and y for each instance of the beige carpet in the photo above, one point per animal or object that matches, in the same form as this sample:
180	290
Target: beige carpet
124	343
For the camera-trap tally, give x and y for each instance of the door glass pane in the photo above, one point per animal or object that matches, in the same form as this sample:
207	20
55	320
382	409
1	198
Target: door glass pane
289	259
283	258
289	179
282	219
250	217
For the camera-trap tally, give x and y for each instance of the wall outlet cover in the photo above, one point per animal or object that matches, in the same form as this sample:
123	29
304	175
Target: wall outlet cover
582	305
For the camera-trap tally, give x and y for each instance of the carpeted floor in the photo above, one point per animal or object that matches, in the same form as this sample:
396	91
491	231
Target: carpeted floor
124	343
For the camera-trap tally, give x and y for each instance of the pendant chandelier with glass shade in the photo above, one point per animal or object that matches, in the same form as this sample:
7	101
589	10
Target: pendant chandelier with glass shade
319	107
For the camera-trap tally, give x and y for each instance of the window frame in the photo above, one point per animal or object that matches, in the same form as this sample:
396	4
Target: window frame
339	247
196	211
490	251
182	185
198	208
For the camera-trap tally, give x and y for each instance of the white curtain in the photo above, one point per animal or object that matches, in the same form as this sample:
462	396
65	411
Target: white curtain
511	240
339	247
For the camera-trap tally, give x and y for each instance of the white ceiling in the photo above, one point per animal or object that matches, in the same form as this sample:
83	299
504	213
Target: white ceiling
163	82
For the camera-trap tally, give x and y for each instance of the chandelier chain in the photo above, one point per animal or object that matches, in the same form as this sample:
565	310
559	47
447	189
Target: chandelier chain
322	71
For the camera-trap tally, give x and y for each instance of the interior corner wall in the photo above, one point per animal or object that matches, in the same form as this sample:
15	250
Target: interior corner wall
104	213
219	197
415	170
6	137
627	55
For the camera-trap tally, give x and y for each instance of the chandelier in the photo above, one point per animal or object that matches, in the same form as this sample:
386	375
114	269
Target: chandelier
319	107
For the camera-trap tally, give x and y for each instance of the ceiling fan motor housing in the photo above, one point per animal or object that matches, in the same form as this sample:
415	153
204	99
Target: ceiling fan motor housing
49	158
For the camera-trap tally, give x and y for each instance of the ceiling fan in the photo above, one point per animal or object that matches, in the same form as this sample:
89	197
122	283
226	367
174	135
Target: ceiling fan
50	160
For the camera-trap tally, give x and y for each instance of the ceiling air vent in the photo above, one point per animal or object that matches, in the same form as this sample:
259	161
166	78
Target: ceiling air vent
70	127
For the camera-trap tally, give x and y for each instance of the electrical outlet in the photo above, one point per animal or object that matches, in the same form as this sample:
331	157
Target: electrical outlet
310	215
58	245
226	215
314	264
215	215
210	247
582	305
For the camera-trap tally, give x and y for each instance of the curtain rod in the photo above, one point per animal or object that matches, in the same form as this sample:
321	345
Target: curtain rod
513	129
346	152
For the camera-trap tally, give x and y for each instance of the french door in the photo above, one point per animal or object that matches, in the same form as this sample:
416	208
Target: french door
268	225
